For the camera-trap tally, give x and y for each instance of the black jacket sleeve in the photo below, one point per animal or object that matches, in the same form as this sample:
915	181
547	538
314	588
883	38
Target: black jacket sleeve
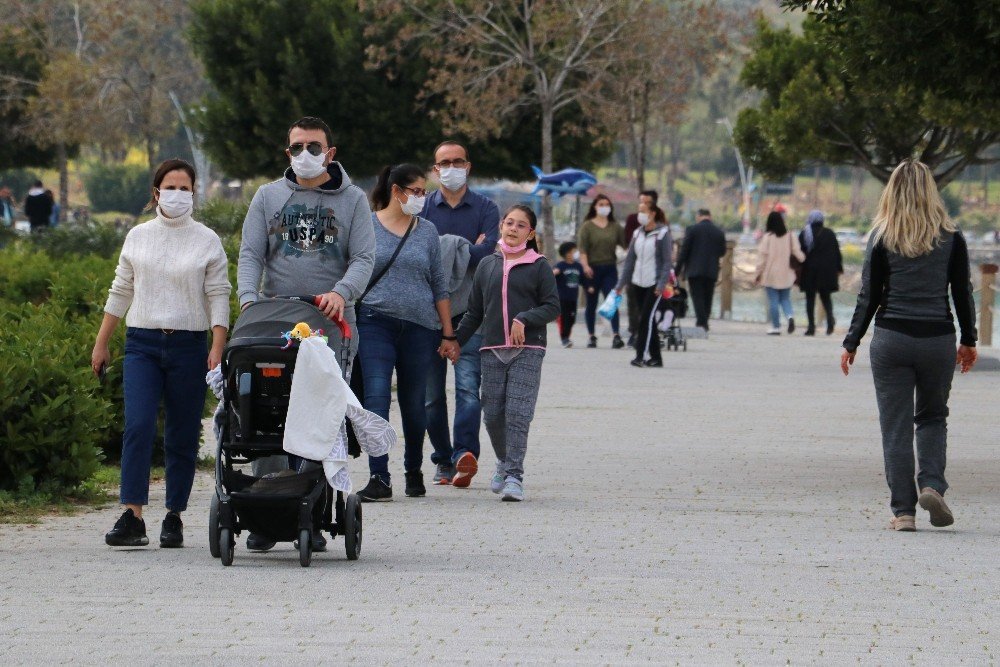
873	281
685	253
961	290
547	309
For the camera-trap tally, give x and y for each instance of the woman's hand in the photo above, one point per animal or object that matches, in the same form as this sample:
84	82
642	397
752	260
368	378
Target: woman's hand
847	360
966	357
100	358
214	357
450	350
517	334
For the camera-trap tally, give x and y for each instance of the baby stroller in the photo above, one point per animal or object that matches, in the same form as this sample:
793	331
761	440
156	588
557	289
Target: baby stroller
257	369
670	326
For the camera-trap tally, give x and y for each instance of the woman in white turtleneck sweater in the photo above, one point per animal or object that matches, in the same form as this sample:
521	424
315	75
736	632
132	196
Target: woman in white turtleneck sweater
171	286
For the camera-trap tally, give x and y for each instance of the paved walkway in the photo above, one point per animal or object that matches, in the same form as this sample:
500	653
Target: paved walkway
729	508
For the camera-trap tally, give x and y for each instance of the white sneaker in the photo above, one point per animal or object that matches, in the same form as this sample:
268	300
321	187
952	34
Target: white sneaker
774	331
513	490
496	482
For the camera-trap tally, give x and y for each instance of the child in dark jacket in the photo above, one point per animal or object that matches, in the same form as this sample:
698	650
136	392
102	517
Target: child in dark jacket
513	298
569	279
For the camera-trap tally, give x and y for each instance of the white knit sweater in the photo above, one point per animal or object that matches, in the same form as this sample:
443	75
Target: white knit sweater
171	275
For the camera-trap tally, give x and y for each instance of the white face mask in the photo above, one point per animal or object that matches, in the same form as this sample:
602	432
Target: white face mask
176	203
643	218
604	211
413	204
307	165
576	255
452	178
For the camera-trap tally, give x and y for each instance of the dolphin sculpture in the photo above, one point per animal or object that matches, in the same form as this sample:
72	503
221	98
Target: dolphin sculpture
563	182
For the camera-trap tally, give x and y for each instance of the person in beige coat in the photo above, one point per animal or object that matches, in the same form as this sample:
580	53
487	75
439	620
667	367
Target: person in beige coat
775	272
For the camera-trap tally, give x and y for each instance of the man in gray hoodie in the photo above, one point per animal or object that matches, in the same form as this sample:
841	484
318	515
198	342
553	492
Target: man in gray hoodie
307	233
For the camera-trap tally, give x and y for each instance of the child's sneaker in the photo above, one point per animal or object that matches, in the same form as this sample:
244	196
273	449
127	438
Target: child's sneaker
513	490
567	342
496	482
592	341
465	469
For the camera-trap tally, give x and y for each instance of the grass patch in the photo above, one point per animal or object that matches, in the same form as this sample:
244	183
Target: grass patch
30	508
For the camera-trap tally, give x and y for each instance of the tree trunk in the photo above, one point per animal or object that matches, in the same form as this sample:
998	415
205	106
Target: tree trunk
151	151
986	185
675	160
63	159
857	180
548	225
640	165
816	174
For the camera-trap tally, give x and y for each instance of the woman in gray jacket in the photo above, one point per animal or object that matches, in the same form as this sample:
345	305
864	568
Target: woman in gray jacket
646	272
513	298
915	254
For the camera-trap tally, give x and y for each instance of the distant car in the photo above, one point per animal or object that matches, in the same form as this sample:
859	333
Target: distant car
847	237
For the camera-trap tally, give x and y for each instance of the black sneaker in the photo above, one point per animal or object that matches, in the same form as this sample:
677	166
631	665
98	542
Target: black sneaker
631	340
129	531
654	363
377	491
617	343
257	542
637	363
415	485
172	531
592	342
318	543
791	325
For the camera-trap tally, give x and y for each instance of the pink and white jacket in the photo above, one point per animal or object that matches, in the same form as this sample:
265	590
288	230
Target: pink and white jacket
503	291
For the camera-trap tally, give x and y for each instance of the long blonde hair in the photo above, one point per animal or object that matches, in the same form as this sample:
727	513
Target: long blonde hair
911	215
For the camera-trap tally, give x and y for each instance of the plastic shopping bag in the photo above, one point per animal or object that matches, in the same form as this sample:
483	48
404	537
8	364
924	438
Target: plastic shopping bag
610	305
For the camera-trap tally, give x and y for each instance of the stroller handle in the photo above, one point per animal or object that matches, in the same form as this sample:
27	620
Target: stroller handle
345	328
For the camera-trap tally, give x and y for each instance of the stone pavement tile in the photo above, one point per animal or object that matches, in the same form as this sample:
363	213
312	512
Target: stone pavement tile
729	508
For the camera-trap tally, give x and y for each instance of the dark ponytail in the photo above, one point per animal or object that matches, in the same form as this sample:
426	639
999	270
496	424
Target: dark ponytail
401	175
532	218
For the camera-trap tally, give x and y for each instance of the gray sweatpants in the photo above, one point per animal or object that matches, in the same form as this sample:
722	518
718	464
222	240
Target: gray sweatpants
509	394
902	365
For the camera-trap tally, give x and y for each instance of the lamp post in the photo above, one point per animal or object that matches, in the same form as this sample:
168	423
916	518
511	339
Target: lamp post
743	174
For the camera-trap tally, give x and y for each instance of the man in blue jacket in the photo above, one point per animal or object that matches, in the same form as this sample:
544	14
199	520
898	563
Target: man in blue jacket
455	209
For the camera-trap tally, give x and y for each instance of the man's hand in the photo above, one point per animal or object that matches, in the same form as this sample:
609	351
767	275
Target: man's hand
480	239
517	334
332	305
847	360
450	350
966	357
587	271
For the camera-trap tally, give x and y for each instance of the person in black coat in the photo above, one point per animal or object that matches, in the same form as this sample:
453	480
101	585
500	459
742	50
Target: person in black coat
821	270
38	207
704	245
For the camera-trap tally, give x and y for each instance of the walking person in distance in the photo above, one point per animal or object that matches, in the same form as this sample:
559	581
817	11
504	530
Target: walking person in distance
599	236
775	253
821	269
704	245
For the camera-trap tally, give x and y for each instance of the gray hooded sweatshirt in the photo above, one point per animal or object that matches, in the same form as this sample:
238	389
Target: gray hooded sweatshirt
306	241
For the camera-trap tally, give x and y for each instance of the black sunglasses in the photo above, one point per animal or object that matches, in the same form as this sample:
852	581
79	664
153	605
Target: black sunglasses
314	148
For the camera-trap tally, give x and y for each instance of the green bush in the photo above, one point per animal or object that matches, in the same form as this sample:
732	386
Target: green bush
117	187
224	216
25	274
54	411
100	239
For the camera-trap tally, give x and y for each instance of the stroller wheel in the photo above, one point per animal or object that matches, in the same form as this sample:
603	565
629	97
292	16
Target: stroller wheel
227	544
213	527
305	547
352	527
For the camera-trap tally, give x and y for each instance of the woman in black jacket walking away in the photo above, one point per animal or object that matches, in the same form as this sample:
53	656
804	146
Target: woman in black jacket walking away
821	270
915	254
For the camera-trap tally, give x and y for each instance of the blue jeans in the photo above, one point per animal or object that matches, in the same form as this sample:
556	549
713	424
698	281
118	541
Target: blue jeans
170	367
776	297
468	412
604	282
389	343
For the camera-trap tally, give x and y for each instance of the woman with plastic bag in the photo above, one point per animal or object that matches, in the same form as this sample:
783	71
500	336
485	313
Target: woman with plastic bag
597	240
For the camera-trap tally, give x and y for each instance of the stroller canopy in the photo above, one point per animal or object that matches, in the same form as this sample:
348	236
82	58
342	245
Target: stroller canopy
264	321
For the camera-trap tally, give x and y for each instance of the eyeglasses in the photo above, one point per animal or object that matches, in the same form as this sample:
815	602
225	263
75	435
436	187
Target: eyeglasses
416	192
314	148
444	164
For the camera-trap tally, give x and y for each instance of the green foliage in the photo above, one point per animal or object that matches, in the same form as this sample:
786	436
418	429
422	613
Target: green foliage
828	96
952	201
18	180
117	187
22	60
94	238
54	414
25	274
224	216
315	64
